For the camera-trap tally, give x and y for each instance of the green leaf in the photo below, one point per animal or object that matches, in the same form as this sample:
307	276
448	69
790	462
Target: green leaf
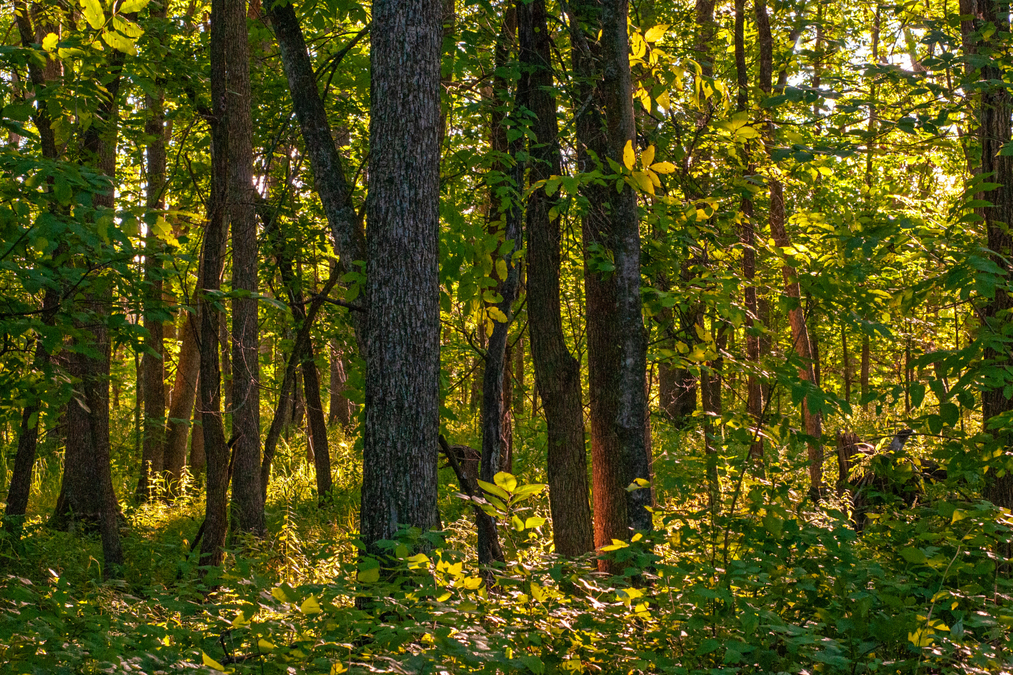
707	646
119	42
913	555
917	394
949	413
370	576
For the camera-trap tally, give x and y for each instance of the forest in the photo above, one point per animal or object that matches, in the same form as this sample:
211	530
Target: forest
495	336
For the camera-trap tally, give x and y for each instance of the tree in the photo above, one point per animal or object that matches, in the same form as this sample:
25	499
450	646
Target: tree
247	498
616	338
557	372
403	325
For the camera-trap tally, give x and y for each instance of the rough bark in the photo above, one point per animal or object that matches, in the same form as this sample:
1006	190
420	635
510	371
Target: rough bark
215	235
506	224
995	108
184	395
403	325
616	338
557	372
247	499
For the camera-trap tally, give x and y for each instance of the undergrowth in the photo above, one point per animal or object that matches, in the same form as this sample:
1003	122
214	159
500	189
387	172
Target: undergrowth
766	582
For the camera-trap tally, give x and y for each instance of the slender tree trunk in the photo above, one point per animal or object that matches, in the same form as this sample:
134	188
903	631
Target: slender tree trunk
846	358
506	224
799	330
184	394
215	235
399	478
152	377
557	372
340	408
864	377
24	461
329	175
247	499
747	236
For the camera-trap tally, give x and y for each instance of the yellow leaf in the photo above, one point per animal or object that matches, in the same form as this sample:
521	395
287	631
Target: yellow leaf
132	6
654	34
647	156
505	481
279	594
654	178
265	645
471	583
497	314
211	663
629	157
663	101
337	669
310	606
49	42
644	181
92	10
663	167
241	620
119	42
501	269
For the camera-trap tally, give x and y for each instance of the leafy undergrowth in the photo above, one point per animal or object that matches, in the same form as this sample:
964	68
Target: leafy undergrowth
780	586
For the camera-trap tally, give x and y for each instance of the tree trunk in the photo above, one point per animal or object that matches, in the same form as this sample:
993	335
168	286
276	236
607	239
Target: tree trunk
87	457
28	436
215	236
339	410
399	477
247	499
747	236
329	174
994	112
799	330
557	372
865	371
616	339
505	224
846	357
184	393
152	377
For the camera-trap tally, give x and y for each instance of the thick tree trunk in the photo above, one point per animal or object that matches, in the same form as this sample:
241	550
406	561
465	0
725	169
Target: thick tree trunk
152	378
215	235
557	372
799	330
399	478
616	337
994	112
247	499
